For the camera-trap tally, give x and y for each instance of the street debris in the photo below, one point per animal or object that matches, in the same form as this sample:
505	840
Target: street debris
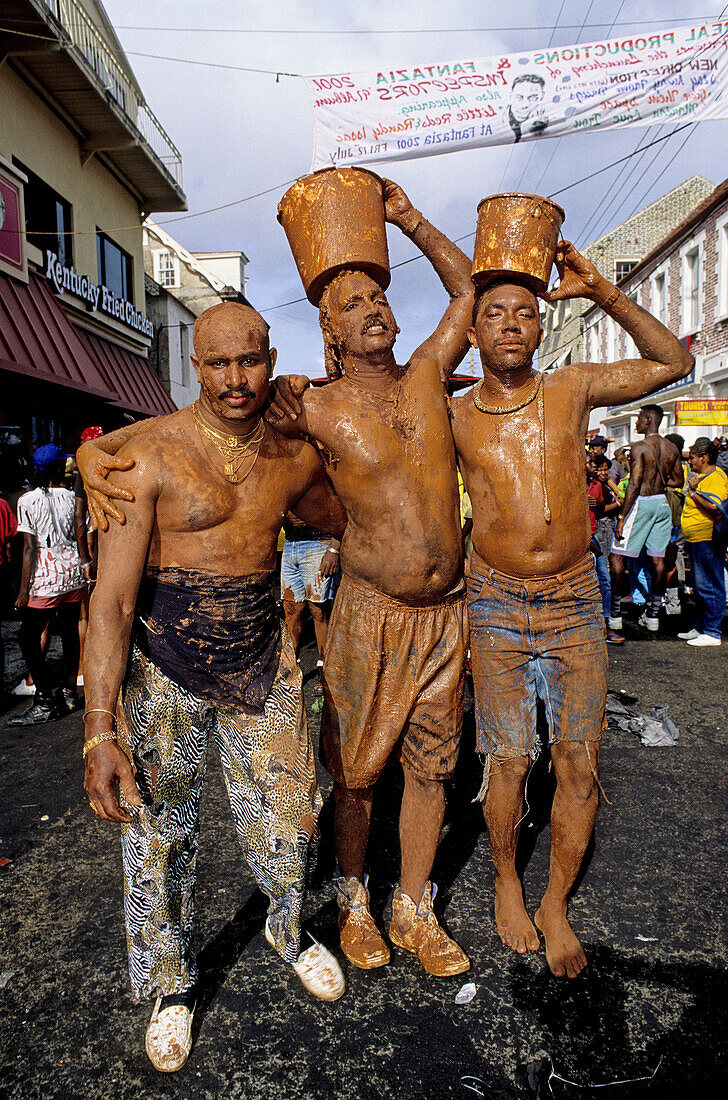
654	728
465	994
5	976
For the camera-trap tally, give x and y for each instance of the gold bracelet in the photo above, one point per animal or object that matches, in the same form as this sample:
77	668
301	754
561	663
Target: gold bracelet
417	222
107	735
99	710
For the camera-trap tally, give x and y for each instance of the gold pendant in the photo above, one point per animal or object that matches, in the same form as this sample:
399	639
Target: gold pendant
229	469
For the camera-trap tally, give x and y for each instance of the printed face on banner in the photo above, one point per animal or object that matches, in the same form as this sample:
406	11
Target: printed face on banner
670	76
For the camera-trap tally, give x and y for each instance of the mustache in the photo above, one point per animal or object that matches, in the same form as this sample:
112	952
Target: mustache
242	392
374	322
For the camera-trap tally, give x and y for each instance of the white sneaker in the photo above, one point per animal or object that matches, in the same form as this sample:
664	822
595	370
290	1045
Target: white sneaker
704	639
615	622
169	1037
318	970
23	688
688	635
649	623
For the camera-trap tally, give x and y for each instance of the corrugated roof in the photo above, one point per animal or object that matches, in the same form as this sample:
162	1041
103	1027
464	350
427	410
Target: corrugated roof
37	339
138	388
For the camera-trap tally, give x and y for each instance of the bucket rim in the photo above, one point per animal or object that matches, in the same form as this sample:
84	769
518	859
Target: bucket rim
320	171
524	195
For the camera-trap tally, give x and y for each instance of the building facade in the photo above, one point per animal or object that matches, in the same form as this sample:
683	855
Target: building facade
684	283
82	161
614	255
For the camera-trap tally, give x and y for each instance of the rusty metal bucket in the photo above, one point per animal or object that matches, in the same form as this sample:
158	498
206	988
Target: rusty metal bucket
334	219
517	235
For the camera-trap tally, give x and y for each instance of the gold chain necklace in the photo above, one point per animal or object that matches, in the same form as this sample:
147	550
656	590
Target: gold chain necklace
497	410
233	450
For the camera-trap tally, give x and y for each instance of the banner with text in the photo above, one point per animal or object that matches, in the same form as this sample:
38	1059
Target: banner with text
673	76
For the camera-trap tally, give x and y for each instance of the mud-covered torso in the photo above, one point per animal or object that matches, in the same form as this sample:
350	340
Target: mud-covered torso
392	464
659	457
203	521
501	462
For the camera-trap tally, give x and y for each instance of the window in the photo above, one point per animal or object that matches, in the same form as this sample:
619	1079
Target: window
630	348
612	341
115	267
593	348
167	268
623	268
47	217
184	348
721	309
690	289
659	297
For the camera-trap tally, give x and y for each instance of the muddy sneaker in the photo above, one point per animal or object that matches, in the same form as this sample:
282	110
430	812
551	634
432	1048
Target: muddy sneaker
169	1035
415	928
360	938
24	688
648	622
318	970
43	710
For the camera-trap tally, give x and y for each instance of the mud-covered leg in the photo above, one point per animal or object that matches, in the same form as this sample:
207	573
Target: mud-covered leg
503	809
572	823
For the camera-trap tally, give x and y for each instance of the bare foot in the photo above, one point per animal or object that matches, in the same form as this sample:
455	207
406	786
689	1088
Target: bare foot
512	921
564	953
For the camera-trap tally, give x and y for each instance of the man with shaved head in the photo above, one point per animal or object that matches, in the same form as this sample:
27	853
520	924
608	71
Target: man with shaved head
184	624
536	627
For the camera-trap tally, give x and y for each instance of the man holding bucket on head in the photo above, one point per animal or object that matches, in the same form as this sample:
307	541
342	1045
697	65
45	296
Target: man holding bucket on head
394	664
534	609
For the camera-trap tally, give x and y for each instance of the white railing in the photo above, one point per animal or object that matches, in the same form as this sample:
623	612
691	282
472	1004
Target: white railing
78	33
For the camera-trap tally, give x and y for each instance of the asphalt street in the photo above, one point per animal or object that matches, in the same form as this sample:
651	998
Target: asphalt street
650	1013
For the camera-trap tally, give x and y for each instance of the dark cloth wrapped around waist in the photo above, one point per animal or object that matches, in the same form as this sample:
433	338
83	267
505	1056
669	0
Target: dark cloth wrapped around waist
218	637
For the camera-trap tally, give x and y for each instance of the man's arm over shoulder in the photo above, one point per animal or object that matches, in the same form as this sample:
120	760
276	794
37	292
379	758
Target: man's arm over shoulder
664	359
122	557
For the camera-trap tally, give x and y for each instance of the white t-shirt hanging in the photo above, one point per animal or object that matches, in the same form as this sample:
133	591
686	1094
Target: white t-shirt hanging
48	514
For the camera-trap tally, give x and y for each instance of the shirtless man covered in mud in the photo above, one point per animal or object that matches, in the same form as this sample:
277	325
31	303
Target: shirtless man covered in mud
645	519
536	627
186	584
393	669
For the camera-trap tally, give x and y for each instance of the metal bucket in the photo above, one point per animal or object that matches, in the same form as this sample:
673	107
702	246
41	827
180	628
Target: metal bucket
517	235
334	219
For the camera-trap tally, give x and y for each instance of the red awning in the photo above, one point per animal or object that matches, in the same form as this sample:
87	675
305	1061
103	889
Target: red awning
139	389
38	340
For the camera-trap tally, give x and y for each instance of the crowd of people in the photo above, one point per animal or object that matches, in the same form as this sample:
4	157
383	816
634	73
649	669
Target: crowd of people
185	642
665	538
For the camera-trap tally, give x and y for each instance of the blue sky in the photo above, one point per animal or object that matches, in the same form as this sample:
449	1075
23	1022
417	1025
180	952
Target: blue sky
244	132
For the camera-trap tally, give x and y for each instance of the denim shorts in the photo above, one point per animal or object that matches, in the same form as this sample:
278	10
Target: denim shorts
529	639
300	571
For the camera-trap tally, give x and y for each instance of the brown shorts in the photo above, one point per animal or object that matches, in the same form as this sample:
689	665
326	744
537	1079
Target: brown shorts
393	676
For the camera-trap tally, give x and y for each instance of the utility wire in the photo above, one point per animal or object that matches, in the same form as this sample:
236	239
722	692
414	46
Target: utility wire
279	31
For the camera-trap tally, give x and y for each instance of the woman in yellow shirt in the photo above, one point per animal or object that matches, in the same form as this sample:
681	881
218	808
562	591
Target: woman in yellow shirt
707	485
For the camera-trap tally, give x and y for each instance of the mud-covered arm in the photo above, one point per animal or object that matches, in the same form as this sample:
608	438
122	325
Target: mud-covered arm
286	411
122	557
664	359
320	507
96	459
449	342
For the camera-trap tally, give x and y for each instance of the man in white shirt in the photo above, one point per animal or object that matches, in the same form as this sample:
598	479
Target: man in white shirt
52	583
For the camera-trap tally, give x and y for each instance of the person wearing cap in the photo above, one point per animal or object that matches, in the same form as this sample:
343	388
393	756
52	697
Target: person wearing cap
51	585
598	446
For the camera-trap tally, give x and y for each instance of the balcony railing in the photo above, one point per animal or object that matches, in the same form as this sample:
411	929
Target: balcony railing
78	34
